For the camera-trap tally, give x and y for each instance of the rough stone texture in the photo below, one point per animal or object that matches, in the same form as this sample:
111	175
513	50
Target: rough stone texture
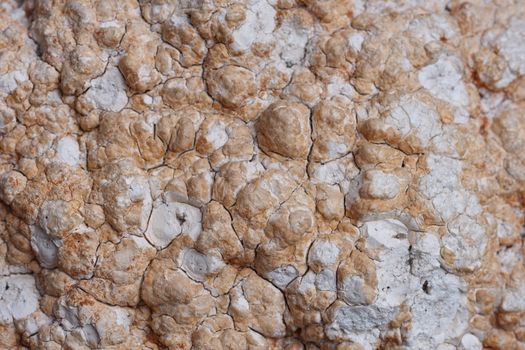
262	174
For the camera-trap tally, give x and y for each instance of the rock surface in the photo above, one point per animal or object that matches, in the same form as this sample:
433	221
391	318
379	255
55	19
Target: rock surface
262	174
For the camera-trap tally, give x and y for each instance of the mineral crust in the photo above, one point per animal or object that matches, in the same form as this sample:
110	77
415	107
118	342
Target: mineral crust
262	174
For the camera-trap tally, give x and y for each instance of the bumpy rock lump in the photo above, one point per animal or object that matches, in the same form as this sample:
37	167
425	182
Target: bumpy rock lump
262	174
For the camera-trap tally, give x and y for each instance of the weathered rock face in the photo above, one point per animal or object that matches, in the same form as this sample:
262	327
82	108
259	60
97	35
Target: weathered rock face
253	174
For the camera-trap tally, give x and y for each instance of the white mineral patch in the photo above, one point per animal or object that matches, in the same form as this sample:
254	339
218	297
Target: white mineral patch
239	303
330	173
326	280
283	275
68	315
163	226
356	41
108	92
138	192
508	257
68	151
44	247
443	176
513	298
466	240
109	24
359	323
412	114
91	334
195	264
19	297
32	325
307	282
257	27
323	252
9	81
352	290
389	239
470	342
336	149
339	86
383	185
432	28
442	314
190	219
114	326
426	249
291	44
414	278
512	45
169	220
444	80
388	233
217	135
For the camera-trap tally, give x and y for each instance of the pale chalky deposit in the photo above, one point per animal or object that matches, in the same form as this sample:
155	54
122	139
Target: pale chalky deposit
262	174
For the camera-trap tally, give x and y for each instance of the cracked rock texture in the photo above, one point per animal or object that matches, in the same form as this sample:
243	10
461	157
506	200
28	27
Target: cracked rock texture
262	174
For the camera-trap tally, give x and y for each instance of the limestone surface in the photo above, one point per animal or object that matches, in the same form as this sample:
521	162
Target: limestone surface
262	174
